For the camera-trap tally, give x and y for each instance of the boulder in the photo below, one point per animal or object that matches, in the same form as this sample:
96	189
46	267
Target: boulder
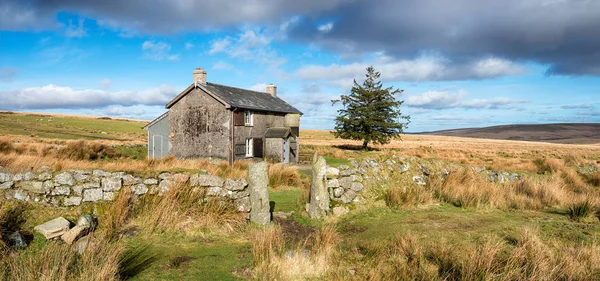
83	227
356	186
112	184
54	228
206	180
92	195
139	189
72	201
64	179
258	182
235	185
332	173
337	192
33	186
164	186
7	185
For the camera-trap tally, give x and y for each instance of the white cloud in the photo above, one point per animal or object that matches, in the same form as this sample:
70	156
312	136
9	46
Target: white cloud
158	51
52	96
219	46
189	46
261	87
424	68
325	27
577	106
249	45
221	65
105	84
77	31
445	100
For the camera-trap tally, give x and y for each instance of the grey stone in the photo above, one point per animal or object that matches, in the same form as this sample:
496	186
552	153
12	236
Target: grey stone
44	176
151	181
346	167
21	195
112	183
29	176
139	189
346	182
18	177
587	169
206	180
129	180
243	204
332	173
7	185
403	168
81	177
54	228
340	211
258	182
348	196
164	186
16	240
356	186
78	189
318	204
346	173
109	196
72	234
4	177
93	183
86	220
92	195
337	192
214	191
81	245
64	179
100	173
240	194
33	186
61	190
356	178
419	180
291	253
44	169
332	183
118	174
235	185
164	176
72	201
180	178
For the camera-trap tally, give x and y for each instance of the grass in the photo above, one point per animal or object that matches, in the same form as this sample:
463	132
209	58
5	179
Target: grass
286	200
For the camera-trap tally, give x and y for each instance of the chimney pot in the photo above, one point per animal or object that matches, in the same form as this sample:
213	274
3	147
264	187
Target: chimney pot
272	90
200	76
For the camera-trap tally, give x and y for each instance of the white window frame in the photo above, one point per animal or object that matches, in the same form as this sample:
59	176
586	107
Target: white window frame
249	147
248	118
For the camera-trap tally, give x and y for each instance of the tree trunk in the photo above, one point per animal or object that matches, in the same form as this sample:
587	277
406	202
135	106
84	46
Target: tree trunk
365	144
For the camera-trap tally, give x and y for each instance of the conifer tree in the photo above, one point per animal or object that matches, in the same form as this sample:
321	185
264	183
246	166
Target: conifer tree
370	112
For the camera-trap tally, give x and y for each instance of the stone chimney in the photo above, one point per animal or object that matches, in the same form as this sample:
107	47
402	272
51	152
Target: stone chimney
200	76
272	89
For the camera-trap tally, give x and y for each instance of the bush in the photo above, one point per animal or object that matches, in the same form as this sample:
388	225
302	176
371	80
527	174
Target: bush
581	210
6	146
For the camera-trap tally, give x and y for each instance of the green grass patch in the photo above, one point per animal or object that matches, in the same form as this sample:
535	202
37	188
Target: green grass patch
285	200
336	162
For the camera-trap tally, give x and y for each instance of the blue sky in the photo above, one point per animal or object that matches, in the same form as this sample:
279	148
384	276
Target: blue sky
468	64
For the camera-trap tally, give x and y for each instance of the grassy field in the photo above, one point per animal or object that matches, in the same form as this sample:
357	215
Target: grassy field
464	228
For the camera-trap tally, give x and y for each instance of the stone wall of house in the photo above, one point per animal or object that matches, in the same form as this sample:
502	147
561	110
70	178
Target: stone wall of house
76	187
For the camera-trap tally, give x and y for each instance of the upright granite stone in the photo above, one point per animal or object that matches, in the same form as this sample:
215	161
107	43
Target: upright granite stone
318	205
258	182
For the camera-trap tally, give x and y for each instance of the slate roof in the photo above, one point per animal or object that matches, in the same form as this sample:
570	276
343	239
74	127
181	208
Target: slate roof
278	132
241	98
156	120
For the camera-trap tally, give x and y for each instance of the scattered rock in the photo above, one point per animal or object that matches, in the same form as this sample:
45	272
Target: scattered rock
54	228
419	180
403	168
16	240
82	227
340	211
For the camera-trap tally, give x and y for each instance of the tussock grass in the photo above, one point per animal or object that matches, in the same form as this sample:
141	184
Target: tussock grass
580	210
282	176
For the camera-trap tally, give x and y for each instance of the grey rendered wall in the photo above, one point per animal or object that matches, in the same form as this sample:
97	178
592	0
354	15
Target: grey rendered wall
274	150
158	139
200	127
262	121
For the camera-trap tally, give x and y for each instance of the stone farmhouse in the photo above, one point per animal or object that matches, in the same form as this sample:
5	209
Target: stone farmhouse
209	120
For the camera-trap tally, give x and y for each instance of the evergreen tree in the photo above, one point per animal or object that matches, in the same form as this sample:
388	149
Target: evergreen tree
370	113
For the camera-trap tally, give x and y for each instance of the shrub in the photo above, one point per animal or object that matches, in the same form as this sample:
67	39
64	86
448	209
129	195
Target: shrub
580	210
6	146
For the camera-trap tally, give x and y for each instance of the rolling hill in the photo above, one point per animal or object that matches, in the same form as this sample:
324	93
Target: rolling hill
567	133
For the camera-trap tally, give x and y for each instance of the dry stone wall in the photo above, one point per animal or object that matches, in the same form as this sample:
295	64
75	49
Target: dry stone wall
76	187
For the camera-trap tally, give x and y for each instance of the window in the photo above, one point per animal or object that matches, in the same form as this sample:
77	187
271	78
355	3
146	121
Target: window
249	144
248	116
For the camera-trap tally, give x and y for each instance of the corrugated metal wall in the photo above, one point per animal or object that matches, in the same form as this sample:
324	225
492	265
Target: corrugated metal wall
158	139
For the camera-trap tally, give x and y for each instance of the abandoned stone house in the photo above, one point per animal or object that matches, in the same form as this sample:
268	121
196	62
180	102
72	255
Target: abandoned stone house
209	120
